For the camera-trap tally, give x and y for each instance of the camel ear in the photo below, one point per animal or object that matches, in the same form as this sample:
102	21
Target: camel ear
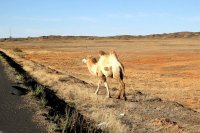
84	60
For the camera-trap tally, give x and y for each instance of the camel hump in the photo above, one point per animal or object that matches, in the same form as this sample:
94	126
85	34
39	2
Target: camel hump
113	53
102	53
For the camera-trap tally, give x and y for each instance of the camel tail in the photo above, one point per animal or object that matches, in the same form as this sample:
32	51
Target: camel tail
122	73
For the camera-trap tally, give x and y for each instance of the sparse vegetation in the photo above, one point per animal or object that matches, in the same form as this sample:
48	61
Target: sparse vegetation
17	50
52	127
43	101
57	118
39	91
31	93
20	77
166	68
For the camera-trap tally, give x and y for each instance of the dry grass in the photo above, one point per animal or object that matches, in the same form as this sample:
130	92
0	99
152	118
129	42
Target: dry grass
166	68
169	69
75	93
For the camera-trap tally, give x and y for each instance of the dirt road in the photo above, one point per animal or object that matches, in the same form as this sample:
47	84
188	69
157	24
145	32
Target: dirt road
14	118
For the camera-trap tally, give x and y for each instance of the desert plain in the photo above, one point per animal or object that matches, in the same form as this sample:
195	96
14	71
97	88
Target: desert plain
161	66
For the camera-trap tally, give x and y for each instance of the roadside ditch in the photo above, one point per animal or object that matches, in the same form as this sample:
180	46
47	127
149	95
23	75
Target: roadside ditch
63	116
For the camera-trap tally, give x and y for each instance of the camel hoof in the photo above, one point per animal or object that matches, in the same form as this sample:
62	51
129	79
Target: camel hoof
125	98
108	96
117	97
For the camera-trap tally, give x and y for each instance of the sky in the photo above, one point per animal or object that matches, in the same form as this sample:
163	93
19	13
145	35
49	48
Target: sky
24	18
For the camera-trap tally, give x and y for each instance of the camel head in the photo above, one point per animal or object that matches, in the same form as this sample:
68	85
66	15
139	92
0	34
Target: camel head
84	60
89	59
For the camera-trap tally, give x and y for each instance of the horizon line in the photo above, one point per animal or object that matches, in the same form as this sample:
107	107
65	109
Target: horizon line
103	36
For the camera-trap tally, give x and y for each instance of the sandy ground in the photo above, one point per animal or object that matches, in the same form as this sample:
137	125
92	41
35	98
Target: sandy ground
14	117
165	68
168	68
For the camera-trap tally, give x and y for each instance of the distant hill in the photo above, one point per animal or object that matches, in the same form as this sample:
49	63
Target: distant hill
163	36
175	35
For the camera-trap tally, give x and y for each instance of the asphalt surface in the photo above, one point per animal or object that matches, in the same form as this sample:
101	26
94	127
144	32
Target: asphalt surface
13	118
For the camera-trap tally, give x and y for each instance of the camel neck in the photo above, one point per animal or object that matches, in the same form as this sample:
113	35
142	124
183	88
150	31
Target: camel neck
92	68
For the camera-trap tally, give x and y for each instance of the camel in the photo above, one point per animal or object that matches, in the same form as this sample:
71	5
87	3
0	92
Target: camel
108	65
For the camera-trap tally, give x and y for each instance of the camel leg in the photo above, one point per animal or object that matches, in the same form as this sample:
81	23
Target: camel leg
108	93
119	86
106	85
98	85
123	90
119	91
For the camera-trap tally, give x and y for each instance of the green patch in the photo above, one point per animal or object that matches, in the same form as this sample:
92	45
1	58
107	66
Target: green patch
43	101
20	77
39	91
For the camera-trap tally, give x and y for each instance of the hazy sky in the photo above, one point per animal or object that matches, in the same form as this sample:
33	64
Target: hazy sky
97	17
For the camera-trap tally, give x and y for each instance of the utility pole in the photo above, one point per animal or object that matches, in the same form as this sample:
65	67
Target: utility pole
10	31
